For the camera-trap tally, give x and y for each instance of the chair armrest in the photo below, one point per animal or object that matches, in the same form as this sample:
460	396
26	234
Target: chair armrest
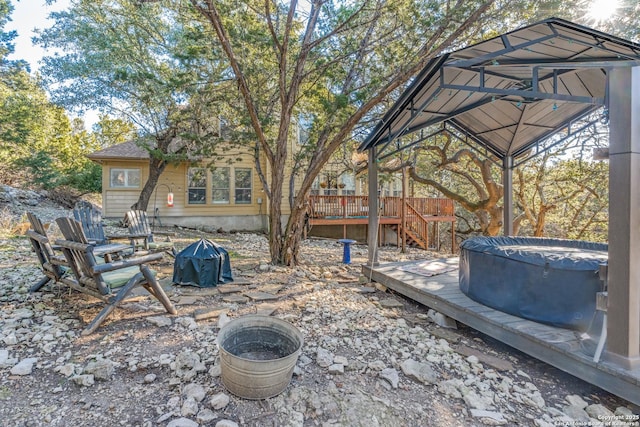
59	260
127	236
74	245
117	265
165	233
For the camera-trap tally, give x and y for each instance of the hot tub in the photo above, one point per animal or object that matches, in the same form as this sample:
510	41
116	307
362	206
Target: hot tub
551	281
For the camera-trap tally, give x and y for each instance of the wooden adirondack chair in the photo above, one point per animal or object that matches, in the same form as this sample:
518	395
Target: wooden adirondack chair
139	230
91	221
92	226
110	282
52	264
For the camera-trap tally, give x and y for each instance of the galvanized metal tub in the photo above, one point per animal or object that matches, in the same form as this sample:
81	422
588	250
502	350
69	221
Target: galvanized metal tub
258	355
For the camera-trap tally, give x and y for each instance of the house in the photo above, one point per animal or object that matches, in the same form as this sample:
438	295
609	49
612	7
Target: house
230	196
232	192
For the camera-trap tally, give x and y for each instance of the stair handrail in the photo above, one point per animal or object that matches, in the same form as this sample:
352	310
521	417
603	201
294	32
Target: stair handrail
418	224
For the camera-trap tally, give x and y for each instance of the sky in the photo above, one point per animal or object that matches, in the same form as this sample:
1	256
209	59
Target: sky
27	15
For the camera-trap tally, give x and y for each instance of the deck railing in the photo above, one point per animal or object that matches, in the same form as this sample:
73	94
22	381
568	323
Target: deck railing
358	206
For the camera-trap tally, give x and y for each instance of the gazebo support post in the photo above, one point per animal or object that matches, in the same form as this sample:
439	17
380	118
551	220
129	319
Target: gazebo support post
507	195
623	328
372	231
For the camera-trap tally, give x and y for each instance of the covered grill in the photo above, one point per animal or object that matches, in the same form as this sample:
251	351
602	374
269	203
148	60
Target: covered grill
204	264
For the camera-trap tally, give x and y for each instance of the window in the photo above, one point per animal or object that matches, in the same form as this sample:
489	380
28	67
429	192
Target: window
220	185
348	184
304	127
197	183
224	128
125	178
243	186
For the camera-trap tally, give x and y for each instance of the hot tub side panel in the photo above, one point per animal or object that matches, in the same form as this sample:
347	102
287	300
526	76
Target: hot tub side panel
564	298
487	279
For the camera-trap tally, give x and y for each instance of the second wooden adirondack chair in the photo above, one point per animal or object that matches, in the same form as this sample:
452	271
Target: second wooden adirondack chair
87	215
92	226
139	229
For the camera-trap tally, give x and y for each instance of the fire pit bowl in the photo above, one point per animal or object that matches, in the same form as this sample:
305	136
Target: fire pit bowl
257	355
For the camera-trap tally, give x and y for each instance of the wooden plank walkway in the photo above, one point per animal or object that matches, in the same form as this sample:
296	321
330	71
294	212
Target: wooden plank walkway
556	346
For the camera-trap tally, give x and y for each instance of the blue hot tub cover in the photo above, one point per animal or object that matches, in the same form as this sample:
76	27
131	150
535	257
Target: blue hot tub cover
204	264
551	281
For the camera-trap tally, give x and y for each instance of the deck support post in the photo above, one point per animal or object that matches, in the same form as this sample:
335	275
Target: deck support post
372	229
403	212
623	328
507	195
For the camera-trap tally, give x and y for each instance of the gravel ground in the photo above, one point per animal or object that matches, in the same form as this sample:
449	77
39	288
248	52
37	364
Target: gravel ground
370	357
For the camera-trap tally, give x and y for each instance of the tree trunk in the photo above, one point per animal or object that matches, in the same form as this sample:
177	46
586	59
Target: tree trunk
293	236
275	203
157	164
494	225
156	167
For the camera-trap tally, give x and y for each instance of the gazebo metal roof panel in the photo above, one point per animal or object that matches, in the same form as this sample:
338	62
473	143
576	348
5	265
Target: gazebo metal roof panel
513	90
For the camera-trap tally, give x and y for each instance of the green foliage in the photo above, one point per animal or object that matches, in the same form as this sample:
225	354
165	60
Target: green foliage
88	179
564	197
109	131
60	158
6	40
38	143
173	66
148	64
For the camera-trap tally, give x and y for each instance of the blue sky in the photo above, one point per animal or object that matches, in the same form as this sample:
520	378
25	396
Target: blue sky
27	15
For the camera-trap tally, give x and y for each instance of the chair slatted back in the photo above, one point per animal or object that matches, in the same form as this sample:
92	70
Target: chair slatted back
138	223
49	261
110	282
80	255
91	221
41	245
36	224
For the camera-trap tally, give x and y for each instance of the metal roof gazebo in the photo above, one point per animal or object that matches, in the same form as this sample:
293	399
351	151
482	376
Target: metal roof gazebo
509	95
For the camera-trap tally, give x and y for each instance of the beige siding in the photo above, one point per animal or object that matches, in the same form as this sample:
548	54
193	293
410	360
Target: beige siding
117	201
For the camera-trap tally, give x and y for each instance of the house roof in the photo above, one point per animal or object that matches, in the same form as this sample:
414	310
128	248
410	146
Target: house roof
127	150
510	92
131	151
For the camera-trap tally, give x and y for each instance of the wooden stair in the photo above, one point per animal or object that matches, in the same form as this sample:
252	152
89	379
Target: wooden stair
411	238
416	228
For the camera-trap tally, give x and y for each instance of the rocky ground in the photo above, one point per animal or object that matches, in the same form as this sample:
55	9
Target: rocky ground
370	357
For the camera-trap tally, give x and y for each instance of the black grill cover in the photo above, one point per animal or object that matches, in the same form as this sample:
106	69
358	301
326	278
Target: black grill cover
204	264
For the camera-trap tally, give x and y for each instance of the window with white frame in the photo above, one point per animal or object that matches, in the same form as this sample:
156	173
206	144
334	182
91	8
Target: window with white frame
304	128
315	187
197	186
220	186
124	178
243	182
348	184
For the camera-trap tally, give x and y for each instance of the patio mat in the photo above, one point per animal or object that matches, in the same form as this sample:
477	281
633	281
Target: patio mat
428	268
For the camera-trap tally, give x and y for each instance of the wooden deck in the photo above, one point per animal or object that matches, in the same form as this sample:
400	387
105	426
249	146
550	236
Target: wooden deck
555	346
416	219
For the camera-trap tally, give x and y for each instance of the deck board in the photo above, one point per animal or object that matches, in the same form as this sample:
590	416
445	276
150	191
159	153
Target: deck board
556	346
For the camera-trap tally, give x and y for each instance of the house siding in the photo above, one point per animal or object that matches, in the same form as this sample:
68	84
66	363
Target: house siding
229	216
